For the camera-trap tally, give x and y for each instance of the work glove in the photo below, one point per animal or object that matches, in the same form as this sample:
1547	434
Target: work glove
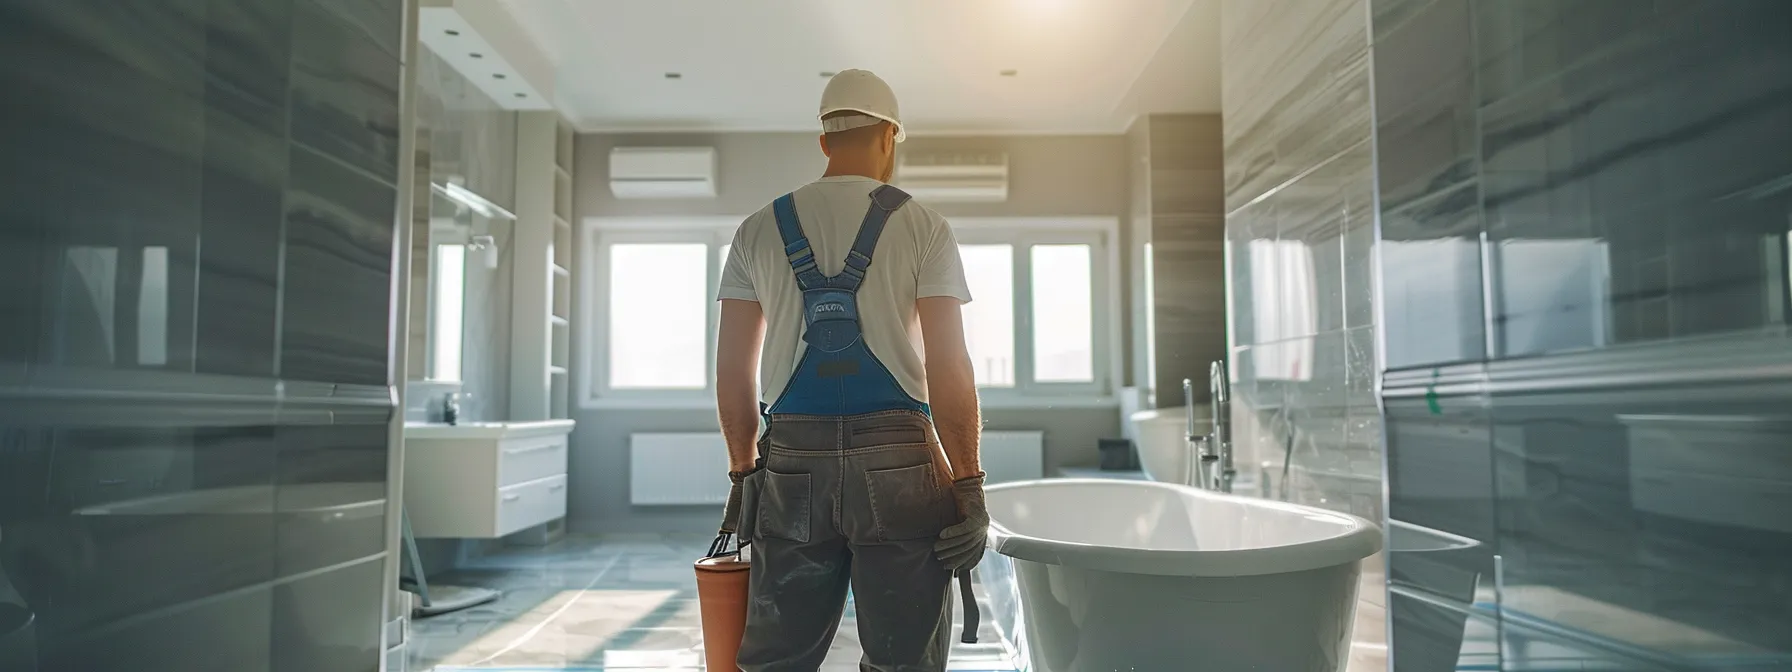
961	546
731	510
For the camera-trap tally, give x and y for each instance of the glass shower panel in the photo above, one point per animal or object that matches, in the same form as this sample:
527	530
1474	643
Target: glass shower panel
1442	551
1645	527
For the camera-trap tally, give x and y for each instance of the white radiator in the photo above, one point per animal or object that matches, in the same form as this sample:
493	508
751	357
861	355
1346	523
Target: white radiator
673	469
1013	456
676	469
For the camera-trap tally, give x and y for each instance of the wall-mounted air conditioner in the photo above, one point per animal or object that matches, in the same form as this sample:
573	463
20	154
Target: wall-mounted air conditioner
663	172
954	177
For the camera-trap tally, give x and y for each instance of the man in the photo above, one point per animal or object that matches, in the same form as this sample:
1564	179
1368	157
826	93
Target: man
867	473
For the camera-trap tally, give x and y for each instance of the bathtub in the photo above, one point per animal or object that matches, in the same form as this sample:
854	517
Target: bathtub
1162	438
1138	575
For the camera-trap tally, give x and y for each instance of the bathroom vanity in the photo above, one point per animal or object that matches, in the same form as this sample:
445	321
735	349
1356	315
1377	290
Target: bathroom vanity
484	480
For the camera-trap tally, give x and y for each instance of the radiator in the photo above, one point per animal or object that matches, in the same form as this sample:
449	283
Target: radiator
1013	456
674	469
678	469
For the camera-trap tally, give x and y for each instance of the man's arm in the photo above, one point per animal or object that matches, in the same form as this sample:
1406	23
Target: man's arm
951	384
737	395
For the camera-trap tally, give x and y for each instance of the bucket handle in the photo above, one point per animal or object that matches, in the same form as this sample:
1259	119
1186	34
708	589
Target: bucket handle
719	547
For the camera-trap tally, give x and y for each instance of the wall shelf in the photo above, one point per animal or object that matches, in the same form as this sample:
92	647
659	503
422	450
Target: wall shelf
543	284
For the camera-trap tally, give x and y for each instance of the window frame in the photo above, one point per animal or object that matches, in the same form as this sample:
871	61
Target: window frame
592	303
1101	235
593	362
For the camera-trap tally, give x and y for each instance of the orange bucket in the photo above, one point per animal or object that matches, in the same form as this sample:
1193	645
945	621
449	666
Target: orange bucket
722	597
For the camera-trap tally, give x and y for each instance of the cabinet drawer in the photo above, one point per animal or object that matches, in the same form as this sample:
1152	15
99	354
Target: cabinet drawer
532	503
530	459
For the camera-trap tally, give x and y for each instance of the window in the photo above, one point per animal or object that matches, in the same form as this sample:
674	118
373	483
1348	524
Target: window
1063	314
1040	323
448	273
989	317
648	309
659	316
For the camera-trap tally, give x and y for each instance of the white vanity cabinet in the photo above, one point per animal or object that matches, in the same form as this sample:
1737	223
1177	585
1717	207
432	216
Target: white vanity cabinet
484	480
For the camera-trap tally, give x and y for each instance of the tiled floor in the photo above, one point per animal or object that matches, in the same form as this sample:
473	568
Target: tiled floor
630	603
604	603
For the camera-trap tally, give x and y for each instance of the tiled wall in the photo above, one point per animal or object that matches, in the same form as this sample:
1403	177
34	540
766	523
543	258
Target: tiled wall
1585	210
1299	227
1187	214
467	139
1299	195
196	238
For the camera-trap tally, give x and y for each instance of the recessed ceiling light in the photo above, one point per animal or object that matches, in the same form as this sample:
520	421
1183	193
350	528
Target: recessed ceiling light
498	75
452	32
674	75
1010	73
476	55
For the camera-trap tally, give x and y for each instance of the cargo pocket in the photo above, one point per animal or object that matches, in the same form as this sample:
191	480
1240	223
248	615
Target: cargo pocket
906	503
749	506
783	504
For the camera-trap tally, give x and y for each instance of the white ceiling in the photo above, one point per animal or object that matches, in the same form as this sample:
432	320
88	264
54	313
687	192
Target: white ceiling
1082	66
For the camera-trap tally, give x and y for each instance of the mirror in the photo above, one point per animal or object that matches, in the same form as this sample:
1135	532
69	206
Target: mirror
463	259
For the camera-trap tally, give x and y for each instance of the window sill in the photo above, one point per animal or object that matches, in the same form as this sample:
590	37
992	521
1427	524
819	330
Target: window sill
987	402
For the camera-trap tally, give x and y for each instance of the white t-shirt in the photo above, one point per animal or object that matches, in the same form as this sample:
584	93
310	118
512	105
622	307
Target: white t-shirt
917	257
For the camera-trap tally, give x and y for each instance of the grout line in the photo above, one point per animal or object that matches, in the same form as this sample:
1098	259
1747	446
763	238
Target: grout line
525	637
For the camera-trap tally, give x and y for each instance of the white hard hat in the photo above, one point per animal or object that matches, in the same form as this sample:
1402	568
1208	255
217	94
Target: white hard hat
862	92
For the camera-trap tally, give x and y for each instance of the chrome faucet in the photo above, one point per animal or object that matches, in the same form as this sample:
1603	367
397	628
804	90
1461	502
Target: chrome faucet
1210	459
1219	387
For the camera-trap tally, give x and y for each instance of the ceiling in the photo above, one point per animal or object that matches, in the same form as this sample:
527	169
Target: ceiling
1078	66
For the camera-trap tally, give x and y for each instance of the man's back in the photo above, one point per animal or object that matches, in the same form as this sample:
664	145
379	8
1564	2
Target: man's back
916	257
866	474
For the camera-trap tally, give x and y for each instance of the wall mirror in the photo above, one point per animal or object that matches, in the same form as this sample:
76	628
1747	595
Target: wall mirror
463	240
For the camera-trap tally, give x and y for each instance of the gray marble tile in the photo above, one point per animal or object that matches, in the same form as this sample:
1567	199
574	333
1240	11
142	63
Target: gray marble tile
1425	104
344	91
1431	280
1387	16
248	51
1287	111
317	468
338	242
242	199
380	21
326	622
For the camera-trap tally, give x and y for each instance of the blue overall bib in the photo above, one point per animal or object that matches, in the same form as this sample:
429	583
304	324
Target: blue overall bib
837	374
854	488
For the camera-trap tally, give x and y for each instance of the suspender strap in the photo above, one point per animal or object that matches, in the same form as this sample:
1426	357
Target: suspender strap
796	245
885	200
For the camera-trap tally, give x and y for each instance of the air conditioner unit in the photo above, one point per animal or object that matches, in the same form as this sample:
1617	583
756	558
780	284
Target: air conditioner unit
954	177
663	172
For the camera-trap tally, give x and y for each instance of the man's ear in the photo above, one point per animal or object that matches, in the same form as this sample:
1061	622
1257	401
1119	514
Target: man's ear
823	139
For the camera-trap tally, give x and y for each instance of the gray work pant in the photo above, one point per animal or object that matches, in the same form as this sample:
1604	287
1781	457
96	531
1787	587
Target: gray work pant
856	501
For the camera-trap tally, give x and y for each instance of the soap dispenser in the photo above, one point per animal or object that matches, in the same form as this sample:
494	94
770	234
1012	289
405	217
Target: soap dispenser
451	408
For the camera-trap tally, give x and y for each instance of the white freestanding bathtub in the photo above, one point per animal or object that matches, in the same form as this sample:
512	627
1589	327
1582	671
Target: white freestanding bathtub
1139	575
1162	439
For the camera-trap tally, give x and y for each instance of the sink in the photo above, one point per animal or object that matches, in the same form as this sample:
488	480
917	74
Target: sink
484	480
487	430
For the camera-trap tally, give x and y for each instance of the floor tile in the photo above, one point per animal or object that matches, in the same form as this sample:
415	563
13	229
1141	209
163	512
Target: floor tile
612	602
